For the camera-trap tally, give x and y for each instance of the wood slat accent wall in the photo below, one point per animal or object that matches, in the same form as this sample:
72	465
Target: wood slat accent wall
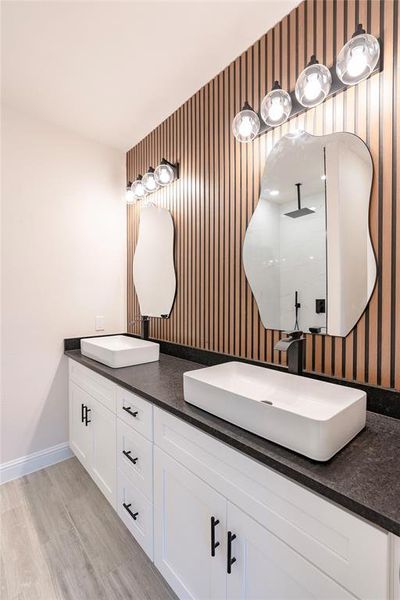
219	186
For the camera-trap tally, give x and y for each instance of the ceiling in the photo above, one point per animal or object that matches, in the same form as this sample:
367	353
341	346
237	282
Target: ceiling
113	70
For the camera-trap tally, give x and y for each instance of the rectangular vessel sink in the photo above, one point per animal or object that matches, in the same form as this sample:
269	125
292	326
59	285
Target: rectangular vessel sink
120	350
311	417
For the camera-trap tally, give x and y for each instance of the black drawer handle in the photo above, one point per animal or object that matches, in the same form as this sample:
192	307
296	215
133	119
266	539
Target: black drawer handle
230	559
128	455
87	421
131	412
214	544
127	508
83	413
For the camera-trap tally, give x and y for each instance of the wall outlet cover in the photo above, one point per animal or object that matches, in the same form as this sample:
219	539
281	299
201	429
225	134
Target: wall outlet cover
99	323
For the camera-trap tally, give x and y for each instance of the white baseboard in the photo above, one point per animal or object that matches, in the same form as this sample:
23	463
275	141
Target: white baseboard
34	462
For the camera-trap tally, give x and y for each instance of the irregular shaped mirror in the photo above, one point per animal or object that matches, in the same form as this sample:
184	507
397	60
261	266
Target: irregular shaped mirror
153	263
307	252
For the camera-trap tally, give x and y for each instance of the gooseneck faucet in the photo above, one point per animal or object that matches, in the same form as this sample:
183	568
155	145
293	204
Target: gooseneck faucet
293	345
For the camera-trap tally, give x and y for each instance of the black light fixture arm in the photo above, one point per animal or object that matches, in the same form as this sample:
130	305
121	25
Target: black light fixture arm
359	31
175	166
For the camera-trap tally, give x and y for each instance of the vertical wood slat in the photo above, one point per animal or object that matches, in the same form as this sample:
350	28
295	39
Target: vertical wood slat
395	358
219	184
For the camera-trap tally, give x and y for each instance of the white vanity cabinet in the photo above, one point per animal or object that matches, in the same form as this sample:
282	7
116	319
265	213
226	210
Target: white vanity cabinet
103	425
206	547
218	524
286	537
93	429
189	527
263	566
111	433
79	434
135	466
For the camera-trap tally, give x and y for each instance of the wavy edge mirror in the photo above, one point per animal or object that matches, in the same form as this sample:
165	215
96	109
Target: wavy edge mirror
344	305
153	269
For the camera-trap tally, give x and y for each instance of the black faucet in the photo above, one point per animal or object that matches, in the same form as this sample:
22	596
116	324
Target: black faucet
293	345
144	326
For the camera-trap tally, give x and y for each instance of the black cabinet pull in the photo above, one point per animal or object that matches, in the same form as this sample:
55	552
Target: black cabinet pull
127	508
87	421
230	559
214	544
128	455
131	412
83	413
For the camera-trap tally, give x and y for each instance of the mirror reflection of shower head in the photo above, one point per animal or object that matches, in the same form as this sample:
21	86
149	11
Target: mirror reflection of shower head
299	212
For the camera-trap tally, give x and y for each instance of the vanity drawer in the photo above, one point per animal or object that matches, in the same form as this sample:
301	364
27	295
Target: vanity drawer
349	550
135	458
97	386
135	412
136	512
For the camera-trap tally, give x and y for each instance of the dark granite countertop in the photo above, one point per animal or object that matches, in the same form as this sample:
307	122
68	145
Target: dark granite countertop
364	477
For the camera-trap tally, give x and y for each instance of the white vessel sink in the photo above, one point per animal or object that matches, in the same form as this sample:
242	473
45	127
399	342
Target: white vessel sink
120	350
311	417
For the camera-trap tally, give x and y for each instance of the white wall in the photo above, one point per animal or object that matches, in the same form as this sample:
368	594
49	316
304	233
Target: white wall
63	263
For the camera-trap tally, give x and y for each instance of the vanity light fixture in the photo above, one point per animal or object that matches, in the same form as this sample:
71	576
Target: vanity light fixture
165	173
129	197
149	181
152	180
246	124
138	188
313	84
358	58
276	106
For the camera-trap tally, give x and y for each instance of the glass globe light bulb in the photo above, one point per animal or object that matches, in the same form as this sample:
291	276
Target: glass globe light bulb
357	61
138	188
149	181
165	173
246	124
312	87
358	58
276	110
129	197
276	106
313	84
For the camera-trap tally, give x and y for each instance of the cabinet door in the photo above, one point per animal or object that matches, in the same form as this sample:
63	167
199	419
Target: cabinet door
79	434
183	508
103	424
265	568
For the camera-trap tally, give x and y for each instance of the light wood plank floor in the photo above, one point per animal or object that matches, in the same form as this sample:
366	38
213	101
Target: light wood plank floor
61	540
